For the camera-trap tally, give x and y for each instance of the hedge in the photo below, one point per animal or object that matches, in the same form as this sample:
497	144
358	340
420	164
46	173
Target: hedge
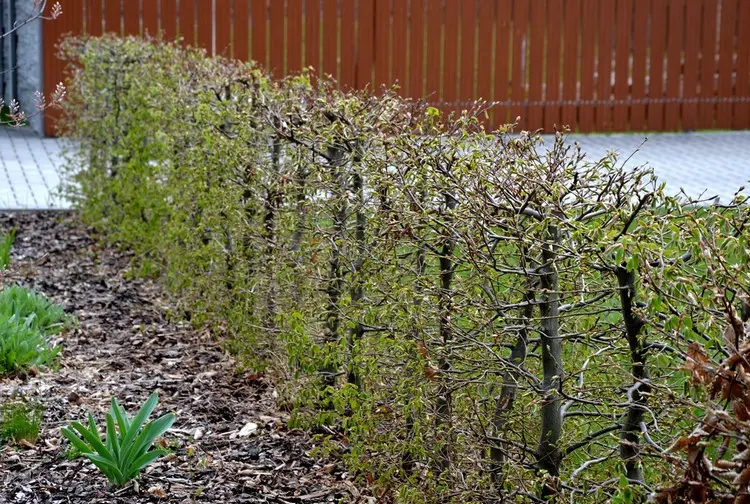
464	315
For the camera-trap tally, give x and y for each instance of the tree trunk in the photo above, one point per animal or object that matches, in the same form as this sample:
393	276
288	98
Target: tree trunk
357	289
504	402
445	308
548	452
335	286
299	231
638	393
272	206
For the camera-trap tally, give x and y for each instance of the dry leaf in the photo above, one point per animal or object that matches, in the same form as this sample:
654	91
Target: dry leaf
157	492
248	429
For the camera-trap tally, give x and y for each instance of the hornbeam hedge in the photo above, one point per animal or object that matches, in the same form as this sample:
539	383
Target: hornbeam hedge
463	315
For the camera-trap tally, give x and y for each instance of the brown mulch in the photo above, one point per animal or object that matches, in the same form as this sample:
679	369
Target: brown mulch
123	345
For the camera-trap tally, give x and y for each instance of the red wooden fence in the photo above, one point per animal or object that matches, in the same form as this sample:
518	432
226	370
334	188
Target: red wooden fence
595	65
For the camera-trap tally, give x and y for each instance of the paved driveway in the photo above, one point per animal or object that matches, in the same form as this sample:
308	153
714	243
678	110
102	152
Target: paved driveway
708	163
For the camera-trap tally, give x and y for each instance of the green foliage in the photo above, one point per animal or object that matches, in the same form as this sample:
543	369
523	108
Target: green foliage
126	449
20	421
33	310
6	243
468	315
27	321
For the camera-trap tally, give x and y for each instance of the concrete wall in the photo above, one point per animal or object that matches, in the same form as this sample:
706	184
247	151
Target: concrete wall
26	79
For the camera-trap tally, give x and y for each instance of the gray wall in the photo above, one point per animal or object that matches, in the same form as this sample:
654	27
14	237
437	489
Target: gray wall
24	79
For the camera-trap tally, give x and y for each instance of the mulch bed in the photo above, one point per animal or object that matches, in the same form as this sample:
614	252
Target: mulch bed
124	345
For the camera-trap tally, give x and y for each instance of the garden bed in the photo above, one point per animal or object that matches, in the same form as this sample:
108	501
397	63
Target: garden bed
123	345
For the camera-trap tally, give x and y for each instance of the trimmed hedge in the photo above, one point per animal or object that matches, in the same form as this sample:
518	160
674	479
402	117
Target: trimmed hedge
474	315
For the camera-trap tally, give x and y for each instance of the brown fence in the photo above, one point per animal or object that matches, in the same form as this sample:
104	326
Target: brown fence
595	65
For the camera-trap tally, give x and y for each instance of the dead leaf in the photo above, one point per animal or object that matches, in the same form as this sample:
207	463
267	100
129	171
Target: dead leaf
248	429
157	492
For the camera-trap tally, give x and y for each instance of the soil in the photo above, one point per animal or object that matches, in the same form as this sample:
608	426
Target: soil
124	345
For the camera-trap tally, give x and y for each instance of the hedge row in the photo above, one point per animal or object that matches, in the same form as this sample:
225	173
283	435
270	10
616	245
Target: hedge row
471	314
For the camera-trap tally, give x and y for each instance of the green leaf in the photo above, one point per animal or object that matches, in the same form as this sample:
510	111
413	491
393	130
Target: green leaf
148	435
109	468
93	440
122	418
127	443
76	441
112	437
143	461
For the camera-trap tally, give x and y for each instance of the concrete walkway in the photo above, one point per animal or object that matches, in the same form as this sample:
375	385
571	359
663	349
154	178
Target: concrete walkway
706	163
30	170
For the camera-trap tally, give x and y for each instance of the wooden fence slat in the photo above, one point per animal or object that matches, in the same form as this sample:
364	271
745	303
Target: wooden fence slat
382	42
656	73
468	36
131	14
520	61
706	109
570	63
742	108
204	27
604	70
554	57
484	51
416	49
258	22
347	72
451	53
150	17
187	21
674	64
330	38
365	49
726	62
434	50
113	16
169	19
94	18
547	52
400	34
312	34
294	36
277	38
536	65
588	46
72	21
223	28
503	63
692	19
640	53
622	63
241	39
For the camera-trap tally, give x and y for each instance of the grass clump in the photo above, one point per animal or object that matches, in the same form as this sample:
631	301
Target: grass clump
6	243
27	320
20	422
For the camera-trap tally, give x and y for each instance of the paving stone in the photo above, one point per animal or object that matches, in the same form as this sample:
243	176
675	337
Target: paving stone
699	163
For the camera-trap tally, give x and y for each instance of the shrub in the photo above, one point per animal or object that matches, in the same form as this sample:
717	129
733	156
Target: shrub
126	450
476	315
27	320
20	421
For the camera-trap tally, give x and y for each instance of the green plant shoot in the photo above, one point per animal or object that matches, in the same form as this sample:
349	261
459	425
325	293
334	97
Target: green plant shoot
126	449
